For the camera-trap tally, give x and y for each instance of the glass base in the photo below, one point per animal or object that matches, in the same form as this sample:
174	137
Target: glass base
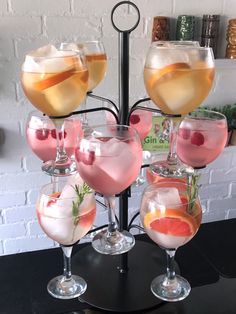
164	169
66	289
119	243
56	169
171	291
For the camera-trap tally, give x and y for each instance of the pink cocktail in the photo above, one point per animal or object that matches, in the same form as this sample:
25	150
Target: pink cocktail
108	159
171	214
66	211
41	135
140	119
201	138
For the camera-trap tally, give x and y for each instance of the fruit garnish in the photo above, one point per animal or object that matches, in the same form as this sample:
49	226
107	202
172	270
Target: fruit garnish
173	67
86	157
42	134
53	80
172	221
184	133
134	119
53	197
169	69
81	191
197	138
54	134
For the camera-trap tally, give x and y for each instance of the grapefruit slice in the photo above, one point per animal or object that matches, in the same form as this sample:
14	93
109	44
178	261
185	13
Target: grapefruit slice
170	69
53	80
173	222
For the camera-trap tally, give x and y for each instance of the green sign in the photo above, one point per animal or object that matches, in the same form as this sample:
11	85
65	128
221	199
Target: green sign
158	137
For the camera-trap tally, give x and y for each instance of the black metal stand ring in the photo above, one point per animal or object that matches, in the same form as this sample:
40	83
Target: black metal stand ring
112	17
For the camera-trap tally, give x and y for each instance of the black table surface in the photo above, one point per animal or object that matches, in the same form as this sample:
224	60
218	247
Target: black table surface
208	262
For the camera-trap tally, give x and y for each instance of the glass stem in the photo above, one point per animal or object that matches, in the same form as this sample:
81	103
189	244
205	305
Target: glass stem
170	264
174	125
110	204
61	152
67	262
84	118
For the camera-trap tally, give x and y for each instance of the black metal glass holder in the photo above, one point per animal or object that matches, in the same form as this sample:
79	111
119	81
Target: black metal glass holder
121	283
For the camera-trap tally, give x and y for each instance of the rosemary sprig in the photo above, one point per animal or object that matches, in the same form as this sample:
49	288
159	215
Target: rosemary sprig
81	191
192	190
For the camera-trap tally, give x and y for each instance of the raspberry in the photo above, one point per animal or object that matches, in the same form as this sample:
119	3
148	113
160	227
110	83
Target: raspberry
87	158
42	134
197	138
54	134
184	133
134	119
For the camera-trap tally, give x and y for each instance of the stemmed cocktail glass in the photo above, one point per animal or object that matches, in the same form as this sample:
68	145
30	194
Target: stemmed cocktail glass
201	137
96	60
141	121
109	158
55	81
66	211
178	78
171	215
41	135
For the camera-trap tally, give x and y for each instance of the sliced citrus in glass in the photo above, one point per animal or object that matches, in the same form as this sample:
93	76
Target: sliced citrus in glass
167	71
53	79
175	222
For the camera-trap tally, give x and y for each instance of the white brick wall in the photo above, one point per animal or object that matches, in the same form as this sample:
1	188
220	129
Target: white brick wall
27	24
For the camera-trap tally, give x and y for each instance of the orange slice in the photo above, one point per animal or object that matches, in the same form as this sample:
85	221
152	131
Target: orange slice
55	194
172	222
53	197
54	79
170	68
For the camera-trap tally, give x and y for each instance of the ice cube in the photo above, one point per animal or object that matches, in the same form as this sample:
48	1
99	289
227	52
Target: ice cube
183	90
40	122
45	51
166	57
120	162
69	46
68	195
60	230
168	196
42	60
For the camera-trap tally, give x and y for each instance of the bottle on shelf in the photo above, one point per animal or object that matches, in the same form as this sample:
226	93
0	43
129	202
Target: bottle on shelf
185	27
210	31
231	40
161	28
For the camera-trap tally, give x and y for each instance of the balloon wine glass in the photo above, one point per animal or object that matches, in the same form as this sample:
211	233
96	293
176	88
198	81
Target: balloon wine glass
177	78
109	158
201	137
97	66
171	215
41	135
96	61
66	211
141	121
55	81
